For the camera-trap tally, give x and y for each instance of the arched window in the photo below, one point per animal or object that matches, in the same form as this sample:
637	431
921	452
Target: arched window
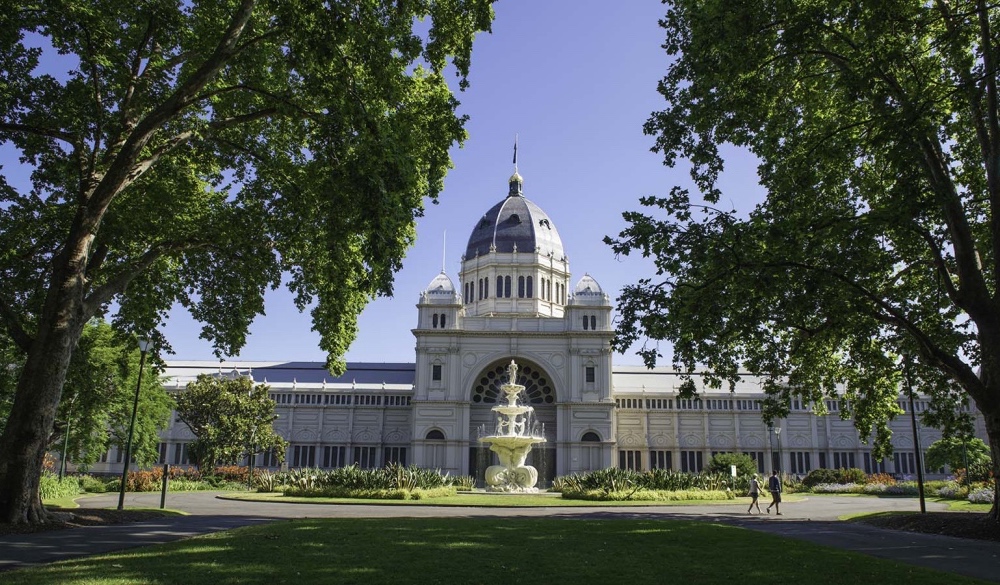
590	437
586	322
506	287
593	322
520	287
435	435
486	287
529	291
435	321
443	316
499	287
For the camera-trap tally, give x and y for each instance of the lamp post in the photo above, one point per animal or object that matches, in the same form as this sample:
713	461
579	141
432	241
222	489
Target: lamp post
777	433
770	447
916	437
143	348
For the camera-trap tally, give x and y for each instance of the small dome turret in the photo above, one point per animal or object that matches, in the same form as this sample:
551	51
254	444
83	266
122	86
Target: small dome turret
441	285
588	287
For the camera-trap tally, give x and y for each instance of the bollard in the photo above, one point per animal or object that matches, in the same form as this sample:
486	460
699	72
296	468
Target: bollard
163	490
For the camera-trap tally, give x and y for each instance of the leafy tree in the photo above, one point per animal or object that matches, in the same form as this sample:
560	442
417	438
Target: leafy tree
957	453
231	418
723	462
877	249
97	398
192	153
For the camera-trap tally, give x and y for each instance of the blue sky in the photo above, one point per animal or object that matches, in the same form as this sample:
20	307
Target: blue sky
575	80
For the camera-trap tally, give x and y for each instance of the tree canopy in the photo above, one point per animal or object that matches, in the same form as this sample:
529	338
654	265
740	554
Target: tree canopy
231	418
193	153
873	263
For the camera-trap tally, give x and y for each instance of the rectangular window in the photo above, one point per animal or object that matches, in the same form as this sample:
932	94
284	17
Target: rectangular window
630	460
436	372
691	461
590	375
396	454
364	457
758	459
799	462
181	454
905	462
843	460
872	465
334	456
660	460
304	456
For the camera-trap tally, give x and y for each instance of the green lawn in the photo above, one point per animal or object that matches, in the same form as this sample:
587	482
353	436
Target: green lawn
505	551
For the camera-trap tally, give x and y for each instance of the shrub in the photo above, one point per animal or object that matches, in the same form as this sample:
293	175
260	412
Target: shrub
723	462
93	485
818	477
643	495
981	496
838	488
50	488
881	478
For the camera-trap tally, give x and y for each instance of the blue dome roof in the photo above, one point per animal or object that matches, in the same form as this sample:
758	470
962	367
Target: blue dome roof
515	223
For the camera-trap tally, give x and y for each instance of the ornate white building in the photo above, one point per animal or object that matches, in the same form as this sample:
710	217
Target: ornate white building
516	300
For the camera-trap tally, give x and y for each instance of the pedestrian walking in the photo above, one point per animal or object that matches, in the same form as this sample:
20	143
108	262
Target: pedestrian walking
754	493
774	486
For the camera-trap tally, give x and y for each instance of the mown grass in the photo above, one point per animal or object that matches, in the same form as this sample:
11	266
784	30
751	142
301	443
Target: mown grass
524	551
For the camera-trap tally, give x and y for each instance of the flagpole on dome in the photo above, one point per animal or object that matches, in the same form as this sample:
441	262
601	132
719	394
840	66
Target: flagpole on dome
515	153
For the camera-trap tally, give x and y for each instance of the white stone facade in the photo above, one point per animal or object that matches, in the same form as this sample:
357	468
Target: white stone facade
515	302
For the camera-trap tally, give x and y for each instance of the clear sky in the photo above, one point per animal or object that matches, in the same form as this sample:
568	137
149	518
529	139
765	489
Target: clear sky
575	80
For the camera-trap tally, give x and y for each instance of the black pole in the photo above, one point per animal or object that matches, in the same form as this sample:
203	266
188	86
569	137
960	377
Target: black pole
916	437
163	490
62	462
131	427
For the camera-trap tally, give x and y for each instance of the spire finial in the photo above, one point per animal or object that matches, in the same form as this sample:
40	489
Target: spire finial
515	182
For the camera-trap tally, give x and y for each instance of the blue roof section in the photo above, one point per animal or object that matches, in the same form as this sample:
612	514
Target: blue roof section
302	372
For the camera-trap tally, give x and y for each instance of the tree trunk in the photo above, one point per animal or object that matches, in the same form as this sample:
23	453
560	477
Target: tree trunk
25	438
993	430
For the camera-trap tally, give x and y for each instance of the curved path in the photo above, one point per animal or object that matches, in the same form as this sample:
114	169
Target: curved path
812	518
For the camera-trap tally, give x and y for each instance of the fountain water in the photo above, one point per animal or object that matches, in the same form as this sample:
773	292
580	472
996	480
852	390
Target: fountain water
512	441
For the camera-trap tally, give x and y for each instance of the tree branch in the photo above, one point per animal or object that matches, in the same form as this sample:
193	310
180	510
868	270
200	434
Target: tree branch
38	131
12	322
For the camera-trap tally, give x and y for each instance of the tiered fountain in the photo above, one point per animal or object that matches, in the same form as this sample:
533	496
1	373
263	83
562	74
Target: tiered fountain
512	442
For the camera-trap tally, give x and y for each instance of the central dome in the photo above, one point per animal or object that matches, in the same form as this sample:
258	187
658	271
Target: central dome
515	224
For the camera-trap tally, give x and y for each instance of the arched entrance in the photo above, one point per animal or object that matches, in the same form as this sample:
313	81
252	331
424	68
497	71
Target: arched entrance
539	392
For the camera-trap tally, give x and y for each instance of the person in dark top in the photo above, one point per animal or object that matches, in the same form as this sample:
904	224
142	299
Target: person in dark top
774	486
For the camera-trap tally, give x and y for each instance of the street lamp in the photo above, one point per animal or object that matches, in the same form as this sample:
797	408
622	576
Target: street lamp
143	348
916	437
777	433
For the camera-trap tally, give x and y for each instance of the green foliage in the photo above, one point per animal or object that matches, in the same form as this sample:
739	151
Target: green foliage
97	398
621	482
201	154
723	462
393	481
92	485
874	128
230	418
838	476
958	453
50	488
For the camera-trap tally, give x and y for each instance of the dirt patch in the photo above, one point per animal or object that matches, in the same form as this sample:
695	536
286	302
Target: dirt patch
960	524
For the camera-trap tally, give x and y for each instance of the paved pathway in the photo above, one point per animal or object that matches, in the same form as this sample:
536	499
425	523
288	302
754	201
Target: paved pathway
812	519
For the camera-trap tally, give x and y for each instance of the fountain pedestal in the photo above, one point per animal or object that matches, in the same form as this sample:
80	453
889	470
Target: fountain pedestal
512	441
